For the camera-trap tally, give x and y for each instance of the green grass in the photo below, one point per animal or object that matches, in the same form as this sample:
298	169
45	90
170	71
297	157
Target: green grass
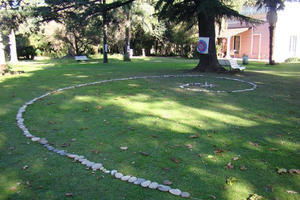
127	113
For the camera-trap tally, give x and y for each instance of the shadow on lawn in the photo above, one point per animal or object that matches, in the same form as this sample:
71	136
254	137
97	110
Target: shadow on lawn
50	176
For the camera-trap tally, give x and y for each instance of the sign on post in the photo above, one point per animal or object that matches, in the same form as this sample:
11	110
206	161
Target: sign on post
203	45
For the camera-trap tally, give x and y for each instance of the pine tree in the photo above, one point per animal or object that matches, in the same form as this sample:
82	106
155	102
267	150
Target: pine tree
204	14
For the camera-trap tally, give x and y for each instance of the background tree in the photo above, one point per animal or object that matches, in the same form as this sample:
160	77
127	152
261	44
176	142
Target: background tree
204	13
273	6
58	9
13	13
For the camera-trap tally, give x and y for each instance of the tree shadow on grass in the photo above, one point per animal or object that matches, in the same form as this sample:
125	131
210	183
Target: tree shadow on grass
51	176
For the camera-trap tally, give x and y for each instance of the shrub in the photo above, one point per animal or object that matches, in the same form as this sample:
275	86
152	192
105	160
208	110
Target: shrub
292	60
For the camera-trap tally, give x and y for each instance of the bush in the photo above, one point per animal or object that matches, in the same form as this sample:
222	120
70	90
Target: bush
26	52
292	60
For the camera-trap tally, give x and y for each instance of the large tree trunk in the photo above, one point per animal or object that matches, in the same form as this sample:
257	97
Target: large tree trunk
2	56
105	46
208	62
271	45
13	47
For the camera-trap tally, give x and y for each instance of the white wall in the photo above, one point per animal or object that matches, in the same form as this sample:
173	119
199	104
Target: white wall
288	25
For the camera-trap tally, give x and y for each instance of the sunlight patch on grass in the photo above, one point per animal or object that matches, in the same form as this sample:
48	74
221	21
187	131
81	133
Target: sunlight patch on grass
238	190
284	143
8	185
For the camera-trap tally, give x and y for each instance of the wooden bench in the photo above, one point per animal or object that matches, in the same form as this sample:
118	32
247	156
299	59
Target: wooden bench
81	58
232	64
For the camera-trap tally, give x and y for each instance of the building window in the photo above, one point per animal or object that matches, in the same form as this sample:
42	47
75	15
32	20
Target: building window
237	44
293	45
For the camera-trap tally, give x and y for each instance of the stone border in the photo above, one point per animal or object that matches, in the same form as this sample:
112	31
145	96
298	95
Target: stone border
254	86
99	166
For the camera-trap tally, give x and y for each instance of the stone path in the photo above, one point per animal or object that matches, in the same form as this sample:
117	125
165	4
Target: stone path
96	166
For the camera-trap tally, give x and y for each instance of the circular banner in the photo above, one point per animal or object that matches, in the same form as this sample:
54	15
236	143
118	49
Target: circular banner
202	46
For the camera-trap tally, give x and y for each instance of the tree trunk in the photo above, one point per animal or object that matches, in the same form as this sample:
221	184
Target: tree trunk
13	47
127	35
2	56
105	46
208	62
271	45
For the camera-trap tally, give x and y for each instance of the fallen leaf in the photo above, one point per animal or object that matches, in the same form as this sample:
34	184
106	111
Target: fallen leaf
269	188
12	148
28	183
291	192
235	158
218	151
243	168
273	149
65	145
229	166
167	182
254	144
175	160
13	188
144	153
95	151
231	180
52	122
99	107
193	136
123	148
296	171
281	171
154	136
254	197
69	194
167	169
188	146
81	129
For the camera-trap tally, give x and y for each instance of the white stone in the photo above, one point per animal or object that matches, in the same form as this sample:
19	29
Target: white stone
34	139
153	185
176	192
164	188
118	175
90	164
185	195
139	181
125	178
43	141
72	155
145	183
113	172
132	179
96	166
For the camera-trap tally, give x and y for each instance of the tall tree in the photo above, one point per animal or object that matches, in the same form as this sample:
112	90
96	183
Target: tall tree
273	6
203	13
2	55
58	9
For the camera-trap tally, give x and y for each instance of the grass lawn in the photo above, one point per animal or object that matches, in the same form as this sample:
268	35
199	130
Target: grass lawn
213	145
